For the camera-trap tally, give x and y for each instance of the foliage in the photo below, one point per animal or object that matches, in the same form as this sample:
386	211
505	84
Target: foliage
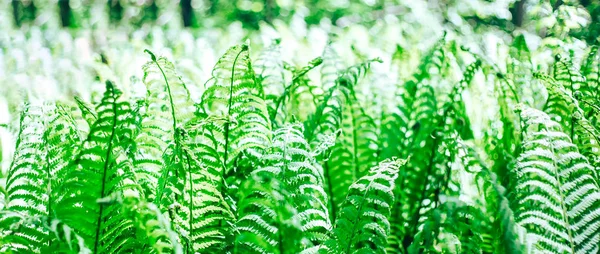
376	135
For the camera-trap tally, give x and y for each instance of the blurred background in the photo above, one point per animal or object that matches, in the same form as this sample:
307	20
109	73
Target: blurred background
96	14
57	49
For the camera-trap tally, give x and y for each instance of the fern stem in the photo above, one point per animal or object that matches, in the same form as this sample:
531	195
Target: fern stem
354	143
572	126
106	163
191	201
229	105
172	103
170	96
49	191
330	193
562	203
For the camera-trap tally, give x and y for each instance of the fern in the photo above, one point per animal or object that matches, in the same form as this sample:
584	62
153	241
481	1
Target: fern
168	107
328	120
87	111
362	225
26	188
63	238
290	215
400	122
354	152
290	155
207	216
415	119
267	222
98	172
520	70
154	230
504	144
591	70
589	98
234	93
270	71
331	67
327	117
555	189
426	177
564	107
297	95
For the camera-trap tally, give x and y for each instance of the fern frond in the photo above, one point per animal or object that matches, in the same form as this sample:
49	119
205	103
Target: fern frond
290	158
363	222
556	195
589	99
269	70
64	234
419	174
267	219
565	109
168	106
87	111
402	121
152	227
503	221
353	154
569	77
461	119
234	93
298	98
27	185
499	231
503	143
98	172
453	228
207	218
62	237
591	70
432	143
520	70
327	117
330	68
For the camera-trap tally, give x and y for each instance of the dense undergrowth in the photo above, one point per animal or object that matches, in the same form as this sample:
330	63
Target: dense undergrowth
438	147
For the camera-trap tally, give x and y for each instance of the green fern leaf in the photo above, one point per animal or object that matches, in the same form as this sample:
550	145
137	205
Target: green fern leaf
330	68
270	71
168	107
556	193
362	225
152	227
234	93
267	221
290	158
299	97
101	171
327	118
568	76
87	111
565	109
206	216
354	153
27	185
591	70
520	70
